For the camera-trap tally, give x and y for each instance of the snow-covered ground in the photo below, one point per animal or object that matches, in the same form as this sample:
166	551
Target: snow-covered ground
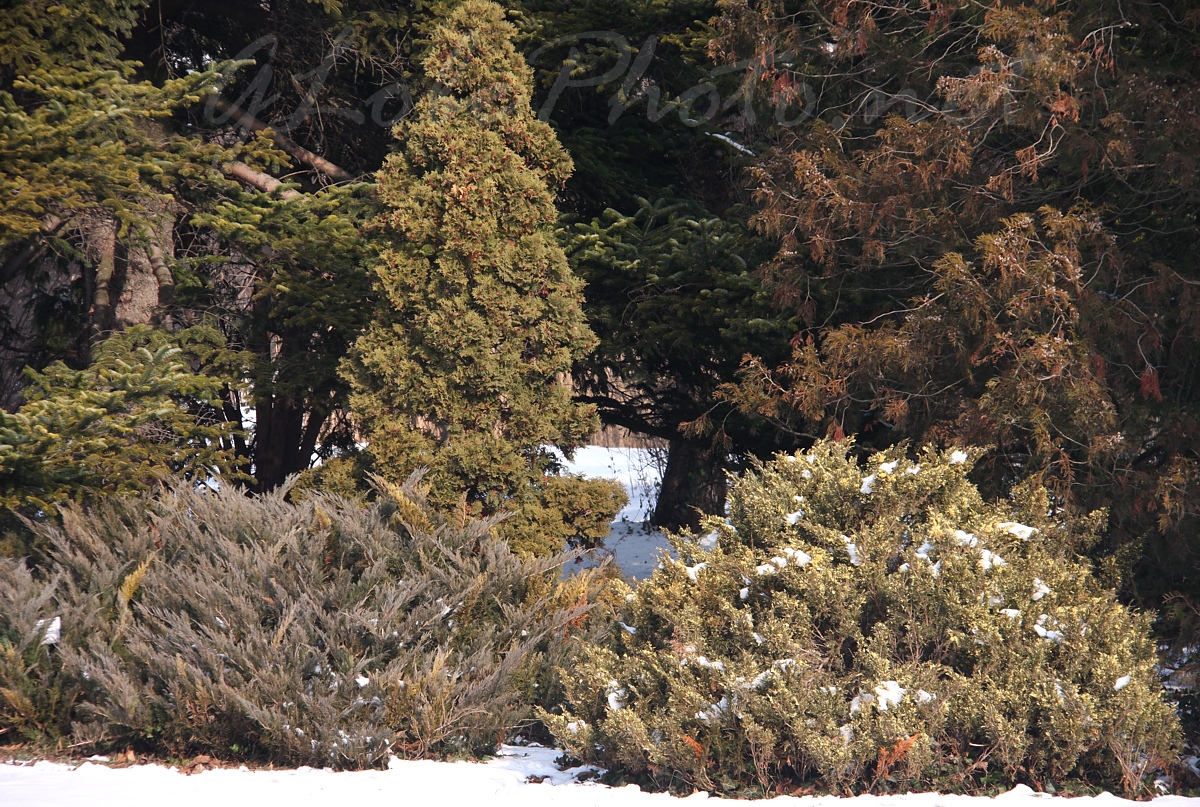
633	543
517	777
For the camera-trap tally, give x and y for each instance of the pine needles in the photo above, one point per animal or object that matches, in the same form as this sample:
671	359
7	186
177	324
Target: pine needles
323	633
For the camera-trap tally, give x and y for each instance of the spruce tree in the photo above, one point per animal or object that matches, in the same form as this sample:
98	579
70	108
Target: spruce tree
479	316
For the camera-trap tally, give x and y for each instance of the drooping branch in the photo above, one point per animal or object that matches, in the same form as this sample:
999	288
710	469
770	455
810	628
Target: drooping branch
298	152
257	179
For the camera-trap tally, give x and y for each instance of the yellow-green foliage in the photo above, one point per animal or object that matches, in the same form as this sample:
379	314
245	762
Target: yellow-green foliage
140	413
479	318
563	512
876	627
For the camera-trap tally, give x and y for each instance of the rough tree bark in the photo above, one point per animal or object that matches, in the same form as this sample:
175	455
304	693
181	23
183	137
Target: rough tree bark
99	231
693	486
147	284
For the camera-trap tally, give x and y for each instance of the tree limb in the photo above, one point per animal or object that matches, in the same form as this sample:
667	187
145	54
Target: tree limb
257	179
298	152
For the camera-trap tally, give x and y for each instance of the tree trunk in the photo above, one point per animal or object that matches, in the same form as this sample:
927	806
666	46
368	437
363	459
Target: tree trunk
693	485
99	232
278	429
147	285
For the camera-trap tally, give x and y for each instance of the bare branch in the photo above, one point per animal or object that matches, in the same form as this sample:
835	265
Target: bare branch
298	152
257	179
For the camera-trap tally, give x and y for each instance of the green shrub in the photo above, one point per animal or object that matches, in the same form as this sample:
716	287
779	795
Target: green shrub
876	628
563	512
320	633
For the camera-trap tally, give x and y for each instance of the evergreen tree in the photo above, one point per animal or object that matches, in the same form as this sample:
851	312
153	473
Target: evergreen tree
462	369
985	239
134	193
670	292
877	627
145	411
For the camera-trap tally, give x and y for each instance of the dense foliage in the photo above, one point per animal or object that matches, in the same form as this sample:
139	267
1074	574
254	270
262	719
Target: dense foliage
986	219
875	628
336	238
326	633
143	413
461	368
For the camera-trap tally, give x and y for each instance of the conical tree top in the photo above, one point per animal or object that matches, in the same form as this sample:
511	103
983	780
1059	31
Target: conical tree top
478	79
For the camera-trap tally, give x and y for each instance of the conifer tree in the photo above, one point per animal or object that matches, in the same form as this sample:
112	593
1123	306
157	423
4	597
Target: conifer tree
479	316
671	295
984	239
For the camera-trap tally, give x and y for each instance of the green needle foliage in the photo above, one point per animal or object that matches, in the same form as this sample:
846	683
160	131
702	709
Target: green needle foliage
141	413
462	369
875	628
671	292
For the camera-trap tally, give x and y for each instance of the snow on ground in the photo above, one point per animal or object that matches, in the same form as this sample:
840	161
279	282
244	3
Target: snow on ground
514	778
633	543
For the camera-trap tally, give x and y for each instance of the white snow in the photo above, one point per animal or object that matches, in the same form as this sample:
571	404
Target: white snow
797	556
1022	531
794	518
959	457
632	543
888	467
989	559
1040	589
1046	633
725	138
53	633
616	696
704	662
888	693
760	680
692	571
1122	682
514	778
861	701
966	538
868	484
714	711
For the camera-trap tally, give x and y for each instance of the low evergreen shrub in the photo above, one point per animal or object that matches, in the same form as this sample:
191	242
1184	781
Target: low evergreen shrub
324	632
874	628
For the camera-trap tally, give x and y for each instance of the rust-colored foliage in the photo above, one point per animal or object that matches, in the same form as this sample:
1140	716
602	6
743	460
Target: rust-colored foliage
984	238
